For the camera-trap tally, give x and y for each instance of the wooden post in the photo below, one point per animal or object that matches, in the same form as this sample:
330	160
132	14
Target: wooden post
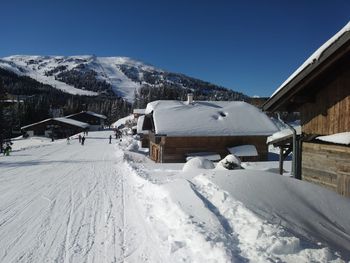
281	157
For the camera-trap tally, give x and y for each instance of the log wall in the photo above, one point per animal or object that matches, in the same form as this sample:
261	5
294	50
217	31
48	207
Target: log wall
174	149
327	165
329	113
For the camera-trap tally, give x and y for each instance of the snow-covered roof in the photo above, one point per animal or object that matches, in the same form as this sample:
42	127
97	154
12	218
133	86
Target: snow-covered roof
244	150
283	134
61	119
339	138
123	121
140	124
209	118
315	56
72	122
139	111
96	115
90	113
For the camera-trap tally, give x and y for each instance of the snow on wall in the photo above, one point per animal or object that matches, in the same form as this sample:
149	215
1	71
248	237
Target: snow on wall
315	56
340	138
209	118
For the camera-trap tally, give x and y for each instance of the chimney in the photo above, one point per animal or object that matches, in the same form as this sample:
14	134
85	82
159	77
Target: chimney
189	98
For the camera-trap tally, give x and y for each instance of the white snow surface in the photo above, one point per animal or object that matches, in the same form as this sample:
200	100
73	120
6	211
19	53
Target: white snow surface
123	121
209	118
103	203
340	138
244	150
315	56
107	69
283	134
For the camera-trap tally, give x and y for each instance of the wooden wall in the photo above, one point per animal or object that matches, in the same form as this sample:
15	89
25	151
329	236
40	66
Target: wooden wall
327	165
174	149
329	113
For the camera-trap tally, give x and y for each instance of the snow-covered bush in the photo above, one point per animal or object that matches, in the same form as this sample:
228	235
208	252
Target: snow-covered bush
198	163
230	162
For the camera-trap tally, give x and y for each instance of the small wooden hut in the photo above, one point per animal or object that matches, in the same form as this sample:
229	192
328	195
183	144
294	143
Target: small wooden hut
178	129
57	128
95	120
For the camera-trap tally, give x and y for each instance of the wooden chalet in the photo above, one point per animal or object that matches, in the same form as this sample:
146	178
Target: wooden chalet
320	91
178	129
96	121
57	128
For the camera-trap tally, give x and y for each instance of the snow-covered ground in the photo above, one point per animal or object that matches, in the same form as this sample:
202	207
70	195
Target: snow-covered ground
104	203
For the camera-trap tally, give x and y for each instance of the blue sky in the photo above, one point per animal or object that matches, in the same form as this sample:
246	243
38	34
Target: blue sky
248	46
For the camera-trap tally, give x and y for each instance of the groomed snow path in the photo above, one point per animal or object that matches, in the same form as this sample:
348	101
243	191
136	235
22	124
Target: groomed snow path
67	203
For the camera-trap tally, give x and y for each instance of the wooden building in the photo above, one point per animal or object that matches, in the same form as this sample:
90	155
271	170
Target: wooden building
57	128
320	91
95	121
178	129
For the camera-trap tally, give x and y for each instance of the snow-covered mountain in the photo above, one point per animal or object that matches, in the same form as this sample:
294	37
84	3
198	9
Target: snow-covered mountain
91	75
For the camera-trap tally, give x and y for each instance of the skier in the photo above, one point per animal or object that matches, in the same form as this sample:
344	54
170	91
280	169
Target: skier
68	140
79	137
82	140
7	149
110	139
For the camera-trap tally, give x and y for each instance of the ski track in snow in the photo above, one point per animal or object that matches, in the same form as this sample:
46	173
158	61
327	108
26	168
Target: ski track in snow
96	203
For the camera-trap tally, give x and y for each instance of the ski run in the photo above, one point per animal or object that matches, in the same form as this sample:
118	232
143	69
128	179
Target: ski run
106	202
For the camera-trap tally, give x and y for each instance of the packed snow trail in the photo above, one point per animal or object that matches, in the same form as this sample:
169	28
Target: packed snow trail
66	203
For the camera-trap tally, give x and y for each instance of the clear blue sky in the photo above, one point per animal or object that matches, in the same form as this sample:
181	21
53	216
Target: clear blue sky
248	46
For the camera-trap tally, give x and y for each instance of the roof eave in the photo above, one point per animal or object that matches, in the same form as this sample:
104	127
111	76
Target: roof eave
328	57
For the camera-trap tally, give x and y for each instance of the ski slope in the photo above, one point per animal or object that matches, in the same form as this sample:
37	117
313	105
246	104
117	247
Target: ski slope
69	203
106	202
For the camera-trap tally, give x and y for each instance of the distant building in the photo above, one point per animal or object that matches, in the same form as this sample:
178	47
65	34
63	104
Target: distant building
138	112
179	129
95	120
320	91
55	128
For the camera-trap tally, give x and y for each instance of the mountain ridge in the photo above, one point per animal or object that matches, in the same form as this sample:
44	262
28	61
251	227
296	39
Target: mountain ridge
120	76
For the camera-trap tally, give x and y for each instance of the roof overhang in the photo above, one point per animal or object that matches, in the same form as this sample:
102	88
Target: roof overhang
292	94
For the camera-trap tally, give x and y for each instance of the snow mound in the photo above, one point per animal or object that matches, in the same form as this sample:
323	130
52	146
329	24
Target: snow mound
230	162
198	163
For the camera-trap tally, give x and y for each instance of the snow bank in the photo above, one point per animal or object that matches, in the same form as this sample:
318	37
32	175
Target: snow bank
182	226
305	209
258	240
198	163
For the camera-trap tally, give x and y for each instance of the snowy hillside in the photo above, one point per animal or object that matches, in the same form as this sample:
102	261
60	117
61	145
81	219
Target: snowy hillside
91	75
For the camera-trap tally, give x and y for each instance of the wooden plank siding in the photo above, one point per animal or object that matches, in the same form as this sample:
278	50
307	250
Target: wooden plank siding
327	165
330	111
175	148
